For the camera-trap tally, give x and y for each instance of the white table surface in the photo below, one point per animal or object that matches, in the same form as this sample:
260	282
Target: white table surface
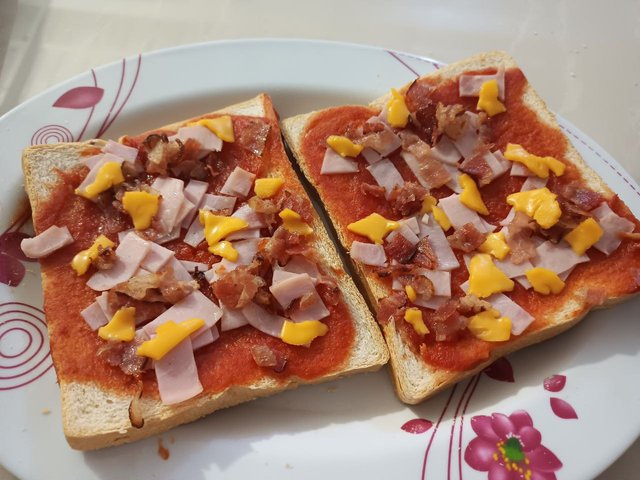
582	56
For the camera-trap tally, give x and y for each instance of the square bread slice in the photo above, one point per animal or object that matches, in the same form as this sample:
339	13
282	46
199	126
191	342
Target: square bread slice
422	366
97	397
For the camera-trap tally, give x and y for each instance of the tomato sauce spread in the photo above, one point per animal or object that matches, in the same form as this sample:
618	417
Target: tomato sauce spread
222	364
613	275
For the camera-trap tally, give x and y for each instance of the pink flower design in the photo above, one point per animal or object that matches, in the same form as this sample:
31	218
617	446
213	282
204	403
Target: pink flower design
510	448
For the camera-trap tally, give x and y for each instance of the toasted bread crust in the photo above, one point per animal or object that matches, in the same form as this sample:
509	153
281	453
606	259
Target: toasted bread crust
94	417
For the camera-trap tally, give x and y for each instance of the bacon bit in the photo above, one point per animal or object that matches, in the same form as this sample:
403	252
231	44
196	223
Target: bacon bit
237	288
123	355
425	257
145	311
433	172
477	166
446	323
299	204
468	238
407	199
423	111
253	135
470	305
633	236
372	127
400	249
157	287
519	240
583	199
375	191
414	144
106	258
262	205
449	120
421	284
595	297
283	244
135	413
160	153
391	307
399	269
265	356
162	450
329	292
378	140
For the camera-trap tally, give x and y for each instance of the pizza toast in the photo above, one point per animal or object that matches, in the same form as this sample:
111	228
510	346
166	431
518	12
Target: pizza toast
114	408
420	367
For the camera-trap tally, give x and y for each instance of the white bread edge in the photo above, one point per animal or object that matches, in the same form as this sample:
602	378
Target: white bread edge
95	418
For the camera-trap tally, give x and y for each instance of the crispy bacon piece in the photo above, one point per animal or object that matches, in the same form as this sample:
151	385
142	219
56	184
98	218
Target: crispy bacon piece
161	153
123	355
299	204
372	127
106	258
468	238
519	240
470	305
283	244
157	287
375	191
633	236
477	166
253	135
328	291
421	284
449	120
583	198
446	323
237	288
425	257
262	205
400	249
407	199
400	269
265	356
423	111
145	311
391	307
432	170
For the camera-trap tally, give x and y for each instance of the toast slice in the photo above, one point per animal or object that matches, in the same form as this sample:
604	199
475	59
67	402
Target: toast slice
598	283
96	397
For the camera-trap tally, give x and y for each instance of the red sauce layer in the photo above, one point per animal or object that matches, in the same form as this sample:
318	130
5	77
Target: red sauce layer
615	275
222	364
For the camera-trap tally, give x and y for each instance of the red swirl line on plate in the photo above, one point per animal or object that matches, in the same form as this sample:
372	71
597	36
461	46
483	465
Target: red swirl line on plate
93	107
453	426
126	99
395	55
17	329
31	380
58	133
24	305
19	222
435	430
117	97
40	333
464	410
601	157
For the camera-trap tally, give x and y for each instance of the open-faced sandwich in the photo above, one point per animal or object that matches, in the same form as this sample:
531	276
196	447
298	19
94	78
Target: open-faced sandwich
185	270
476	225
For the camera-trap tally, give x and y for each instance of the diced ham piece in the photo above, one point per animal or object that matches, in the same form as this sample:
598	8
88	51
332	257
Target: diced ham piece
249	215
469	140
247	250
368	253
299	264
334	163
94	316
217	203
371	156
384	141
520	318
194	305
557	257
533	183
446	258
172	192
243	234
459	214
279	275
454	183
314	310
208	336
194	192
412	223
157	257
519	170
386	175
97	165
430	173
497	163
289	289
232	319
128	154
512	270
441	281
209	141
406	232
433	303
92	161
47	242
266	322
195	234
469	85
239	183
191	266
177	374
103	301
445	151
612	224
129	255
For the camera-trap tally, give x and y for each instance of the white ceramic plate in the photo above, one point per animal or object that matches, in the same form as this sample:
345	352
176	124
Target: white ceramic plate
349	428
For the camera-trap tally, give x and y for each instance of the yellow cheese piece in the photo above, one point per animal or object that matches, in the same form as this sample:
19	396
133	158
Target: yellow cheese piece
293	222
168	336
302	333
267	187
427	204
217	227
344	146
375	227
414	317
142	207
397	111
441	218
538	165
225	249
488	98
83	259
539	204
485	278
411	293
495	245
487	327
122	327
544	281
221	126
110	174
584	236
470	195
